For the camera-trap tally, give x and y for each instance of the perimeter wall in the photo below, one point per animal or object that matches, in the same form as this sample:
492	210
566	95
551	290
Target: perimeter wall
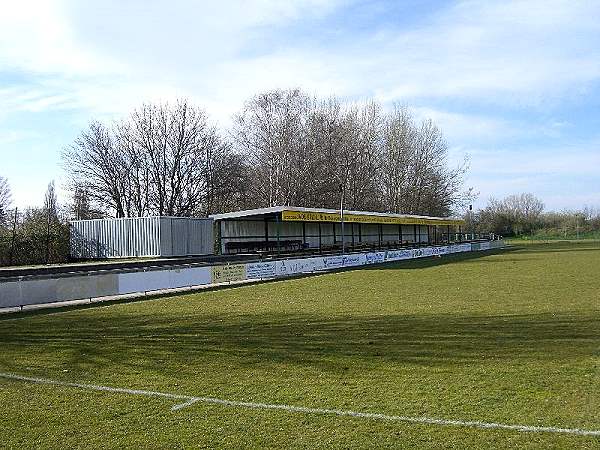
32	290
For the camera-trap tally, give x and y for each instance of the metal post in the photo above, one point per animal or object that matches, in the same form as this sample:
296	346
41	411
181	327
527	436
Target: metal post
401	237
278	233
48	236
303	235
220	230
171	234
471	221
334	237
320	239
342	217
266	234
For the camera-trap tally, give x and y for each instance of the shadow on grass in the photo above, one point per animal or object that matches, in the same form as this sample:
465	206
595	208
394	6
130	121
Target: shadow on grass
139	341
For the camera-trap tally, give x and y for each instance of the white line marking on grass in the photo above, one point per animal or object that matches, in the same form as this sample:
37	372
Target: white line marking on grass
190	400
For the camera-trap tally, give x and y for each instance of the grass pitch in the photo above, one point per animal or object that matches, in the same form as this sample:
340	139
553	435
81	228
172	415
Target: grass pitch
511	337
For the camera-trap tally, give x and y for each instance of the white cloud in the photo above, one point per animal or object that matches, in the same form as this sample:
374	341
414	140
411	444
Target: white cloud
36	36
104	58
460	128
521	52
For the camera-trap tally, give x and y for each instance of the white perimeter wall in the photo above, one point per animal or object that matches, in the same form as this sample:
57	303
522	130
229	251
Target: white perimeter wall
39	290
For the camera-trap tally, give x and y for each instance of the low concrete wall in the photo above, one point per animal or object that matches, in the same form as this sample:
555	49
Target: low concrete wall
36	290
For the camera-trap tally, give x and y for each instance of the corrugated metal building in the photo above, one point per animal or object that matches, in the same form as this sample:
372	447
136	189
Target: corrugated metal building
141	237
289	228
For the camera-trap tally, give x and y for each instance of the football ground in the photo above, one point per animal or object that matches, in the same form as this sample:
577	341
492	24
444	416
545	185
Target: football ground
497	349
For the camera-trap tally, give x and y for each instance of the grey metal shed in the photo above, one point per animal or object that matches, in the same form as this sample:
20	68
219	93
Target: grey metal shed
141	237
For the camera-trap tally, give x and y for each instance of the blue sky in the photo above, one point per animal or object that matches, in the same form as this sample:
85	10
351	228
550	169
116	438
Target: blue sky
514	85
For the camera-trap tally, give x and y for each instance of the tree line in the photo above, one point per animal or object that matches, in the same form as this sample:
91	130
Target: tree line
284	148
34	235
524	215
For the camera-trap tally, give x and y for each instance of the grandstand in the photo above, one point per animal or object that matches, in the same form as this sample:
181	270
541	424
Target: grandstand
288	228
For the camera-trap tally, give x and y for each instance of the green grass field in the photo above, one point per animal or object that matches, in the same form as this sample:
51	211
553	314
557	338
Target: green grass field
511	337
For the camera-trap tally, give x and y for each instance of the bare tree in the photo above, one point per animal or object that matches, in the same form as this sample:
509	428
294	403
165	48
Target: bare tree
51	213
81	207
161	160
51	202
415	176
524	210
168	147
288	149
328	155
308	152
362	148
398	140
271	131
515	214
95	163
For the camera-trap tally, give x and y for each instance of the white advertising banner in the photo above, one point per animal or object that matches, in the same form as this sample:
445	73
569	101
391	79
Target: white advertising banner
465	247
375	257
355	259
258	271
301	265
333	262
398	255
443	250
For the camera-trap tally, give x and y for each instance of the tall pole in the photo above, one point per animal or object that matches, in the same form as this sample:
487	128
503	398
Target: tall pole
342	217
48	237
471	222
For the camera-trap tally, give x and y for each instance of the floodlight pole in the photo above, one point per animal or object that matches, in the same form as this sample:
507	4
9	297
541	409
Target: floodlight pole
342	217
471	222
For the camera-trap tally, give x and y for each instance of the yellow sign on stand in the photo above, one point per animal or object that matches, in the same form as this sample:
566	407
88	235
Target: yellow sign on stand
228	273
304	216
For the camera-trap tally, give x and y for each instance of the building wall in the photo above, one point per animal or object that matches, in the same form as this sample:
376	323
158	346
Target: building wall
182	236
141	237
